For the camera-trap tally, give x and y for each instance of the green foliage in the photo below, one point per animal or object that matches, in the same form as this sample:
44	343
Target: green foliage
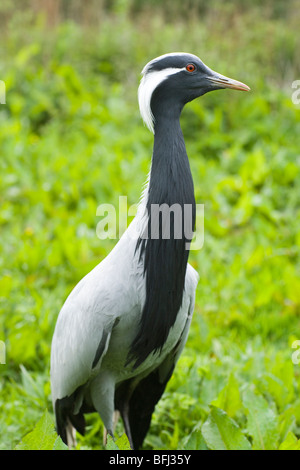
262	422
72	138
42	437
121	443
222	433
290	443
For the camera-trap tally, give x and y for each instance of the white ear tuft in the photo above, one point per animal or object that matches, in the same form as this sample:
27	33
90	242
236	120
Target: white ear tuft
149	83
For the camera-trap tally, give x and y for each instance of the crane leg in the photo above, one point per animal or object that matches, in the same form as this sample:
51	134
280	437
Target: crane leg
115	421
71	435
122	401
102	391
125	416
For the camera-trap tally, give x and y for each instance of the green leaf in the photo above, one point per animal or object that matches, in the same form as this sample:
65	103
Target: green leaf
59	444
286	421
122	443
111	445
42	437
262	423
222	433
195	440
229	398
290	443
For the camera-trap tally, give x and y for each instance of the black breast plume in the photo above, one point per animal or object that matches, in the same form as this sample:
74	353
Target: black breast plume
164	249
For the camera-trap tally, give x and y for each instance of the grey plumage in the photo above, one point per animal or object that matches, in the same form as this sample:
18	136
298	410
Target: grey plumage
123	327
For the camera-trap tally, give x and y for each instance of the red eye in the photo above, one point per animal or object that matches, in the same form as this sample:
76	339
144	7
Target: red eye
190	68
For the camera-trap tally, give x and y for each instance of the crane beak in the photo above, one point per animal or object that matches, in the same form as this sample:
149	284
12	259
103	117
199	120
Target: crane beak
224	82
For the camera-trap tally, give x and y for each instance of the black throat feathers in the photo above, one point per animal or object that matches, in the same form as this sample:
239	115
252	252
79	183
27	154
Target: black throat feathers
164	249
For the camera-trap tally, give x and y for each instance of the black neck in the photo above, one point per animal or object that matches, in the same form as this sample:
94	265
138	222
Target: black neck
170	177
165	252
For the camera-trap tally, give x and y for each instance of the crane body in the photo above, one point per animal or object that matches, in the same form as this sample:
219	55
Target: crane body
122	329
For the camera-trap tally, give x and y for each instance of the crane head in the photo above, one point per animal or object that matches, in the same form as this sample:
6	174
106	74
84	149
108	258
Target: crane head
172	80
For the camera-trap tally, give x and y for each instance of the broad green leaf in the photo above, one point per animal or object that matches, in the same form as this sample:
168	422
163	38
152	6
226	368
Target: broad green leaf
111	445
272	385
290	443
220	432
121	443
42	437
59	444
195	440
286	421
229	398
283	368
262	423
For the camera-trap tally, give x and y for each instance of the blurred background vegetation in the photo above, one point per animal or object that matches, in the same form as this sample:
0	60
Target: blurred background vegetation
71	138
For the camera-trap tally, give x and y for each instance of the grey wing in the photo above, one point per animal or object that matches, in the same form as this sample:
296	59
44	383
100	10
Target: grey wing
86	321
80	341
82	336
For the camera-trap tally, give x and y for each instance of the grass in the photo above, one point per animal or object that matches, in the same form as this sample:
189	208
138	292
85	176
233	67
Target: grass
71	139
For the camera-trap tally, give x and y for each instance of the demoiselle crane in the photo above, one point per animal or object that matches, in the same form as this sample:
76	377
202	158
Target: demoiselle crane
123	327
